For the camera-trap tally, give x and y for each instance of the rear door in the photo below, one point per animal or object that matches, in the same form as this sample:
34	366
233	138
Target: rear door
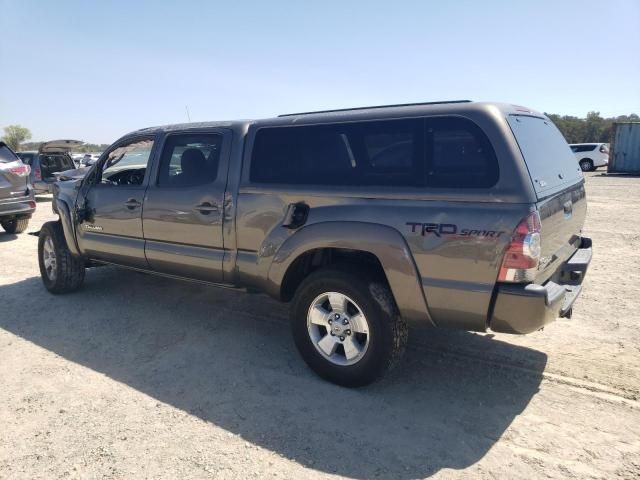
13	174
183	208
559	185
113	201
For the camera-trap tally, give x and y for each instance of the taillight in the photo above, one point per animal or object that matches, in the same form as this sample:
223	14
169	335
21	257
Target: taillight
38	174
521	258
604	149
21	171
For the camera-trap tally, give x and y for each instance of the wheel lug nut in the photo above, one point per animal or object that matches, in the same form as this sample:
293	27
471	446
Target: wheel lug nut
345	322
330	321
332	334
337	315
341	338
348	332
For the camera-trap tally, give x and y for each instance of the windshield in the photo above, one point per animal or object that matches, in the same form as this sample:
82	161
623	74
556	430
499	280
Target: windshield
551	163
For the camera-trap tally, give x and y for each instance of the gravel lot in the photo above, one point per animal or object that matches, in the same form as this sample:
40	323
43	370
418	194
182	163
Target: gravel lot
142	377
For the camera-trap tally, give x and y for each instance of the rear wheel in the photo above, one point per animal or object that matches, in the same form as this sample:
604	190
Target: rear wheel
347	327
61	272
586	165
17	225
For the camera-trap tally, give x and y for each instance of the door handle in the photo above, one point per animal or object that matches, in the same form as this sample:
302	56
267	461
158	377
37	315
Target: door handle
132	203
206	208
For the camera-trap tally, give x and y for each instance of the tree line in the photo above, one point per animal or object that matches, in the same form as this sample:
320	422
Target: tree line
593	128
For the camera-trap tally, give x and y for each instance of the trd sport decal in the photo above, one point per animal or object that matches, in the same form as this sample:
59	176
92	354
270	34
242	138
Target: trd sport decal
448	229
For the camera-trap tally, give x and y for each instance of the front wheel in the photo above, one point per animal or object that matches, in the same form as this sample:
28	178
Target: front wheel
347	327
16	225
61	272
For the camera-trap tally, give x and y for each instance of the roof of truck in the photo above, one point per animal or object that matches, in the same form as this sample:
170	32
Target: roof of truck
356	113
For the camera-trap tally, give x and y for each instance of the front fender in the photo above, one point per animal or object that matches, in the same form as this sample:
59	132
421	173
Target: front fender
66	219
386	243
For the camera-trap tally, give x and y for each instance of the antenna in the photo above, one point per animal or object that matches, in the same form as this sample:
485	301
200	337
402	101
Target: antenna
186	107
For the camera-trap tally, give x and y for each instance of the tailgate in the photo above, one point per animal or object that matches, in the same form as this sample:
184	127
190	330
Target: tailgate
559	187
562	216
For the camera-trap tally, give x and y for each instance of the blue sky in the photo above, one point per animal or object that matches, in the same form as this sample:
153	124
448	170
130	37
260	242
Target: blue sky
96	70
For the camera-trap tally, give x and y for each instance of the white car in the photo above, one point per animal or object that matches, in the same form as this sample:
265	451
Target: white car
591	155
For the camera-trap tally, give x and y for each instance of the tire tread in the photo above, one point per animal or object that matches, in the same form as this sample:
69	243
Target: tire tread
71	269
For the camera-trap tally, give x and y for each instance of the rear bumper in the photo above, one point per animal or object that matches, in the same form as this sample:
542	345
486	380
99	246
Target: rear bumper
22	206
601	162
527	308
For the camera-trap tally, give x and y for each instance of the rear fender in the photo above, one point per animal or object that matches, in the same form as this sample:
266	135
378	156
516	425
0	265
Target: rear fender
386	243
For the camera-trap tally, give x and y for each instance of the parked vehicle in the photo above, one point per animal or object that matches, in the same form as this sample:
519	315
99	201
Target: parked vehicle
455	214
77	159
89	159
51	158
17	202
591	155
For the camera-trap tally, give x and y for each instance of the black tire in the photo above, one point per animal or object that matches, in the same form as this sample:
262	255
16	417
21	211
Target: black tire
69	270
586	165
17	225
387	331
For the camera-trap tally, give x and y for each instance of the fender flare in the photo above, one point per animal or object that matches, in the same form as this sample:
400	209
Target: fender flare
386	243
66	220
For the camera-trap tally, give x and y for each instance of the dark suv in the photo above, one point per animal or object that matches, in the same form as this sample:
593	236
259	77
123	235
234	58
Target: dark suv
17	203
457	214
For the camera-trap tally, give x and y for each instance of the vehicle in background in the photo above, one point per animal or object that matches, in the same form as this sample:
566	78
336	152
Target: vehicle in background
17	202
80	171
89	159
77	159
456	214
51	158
591	155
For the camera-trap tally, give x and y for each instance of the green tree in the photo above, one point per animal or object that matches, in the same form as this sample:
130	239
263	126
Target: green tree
14	135
593	128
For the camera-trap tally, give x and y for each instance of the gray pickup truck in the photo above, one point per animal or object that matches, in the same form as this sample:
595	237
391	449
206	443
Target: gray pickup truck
456	214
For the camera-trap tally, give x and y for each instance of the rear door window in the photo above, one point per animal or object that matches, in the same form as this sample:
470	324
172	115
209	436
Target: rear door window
583	148
551	164
190	160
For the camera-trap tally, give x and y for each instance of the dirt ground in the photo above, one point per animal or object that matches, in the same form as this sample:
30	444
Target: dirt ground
143	377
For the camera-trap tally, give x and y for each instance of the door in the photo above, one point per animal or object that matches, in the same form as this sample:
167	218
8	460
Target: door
183	208
112	229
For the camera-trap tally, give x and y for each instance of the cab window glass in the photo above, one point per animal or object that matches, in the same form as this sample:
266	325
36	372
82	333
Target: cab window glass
190	160
369	153
460	155
127	164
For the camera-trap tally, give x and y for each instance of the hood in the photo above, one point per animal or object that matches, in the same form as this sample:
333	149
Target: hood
58	146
